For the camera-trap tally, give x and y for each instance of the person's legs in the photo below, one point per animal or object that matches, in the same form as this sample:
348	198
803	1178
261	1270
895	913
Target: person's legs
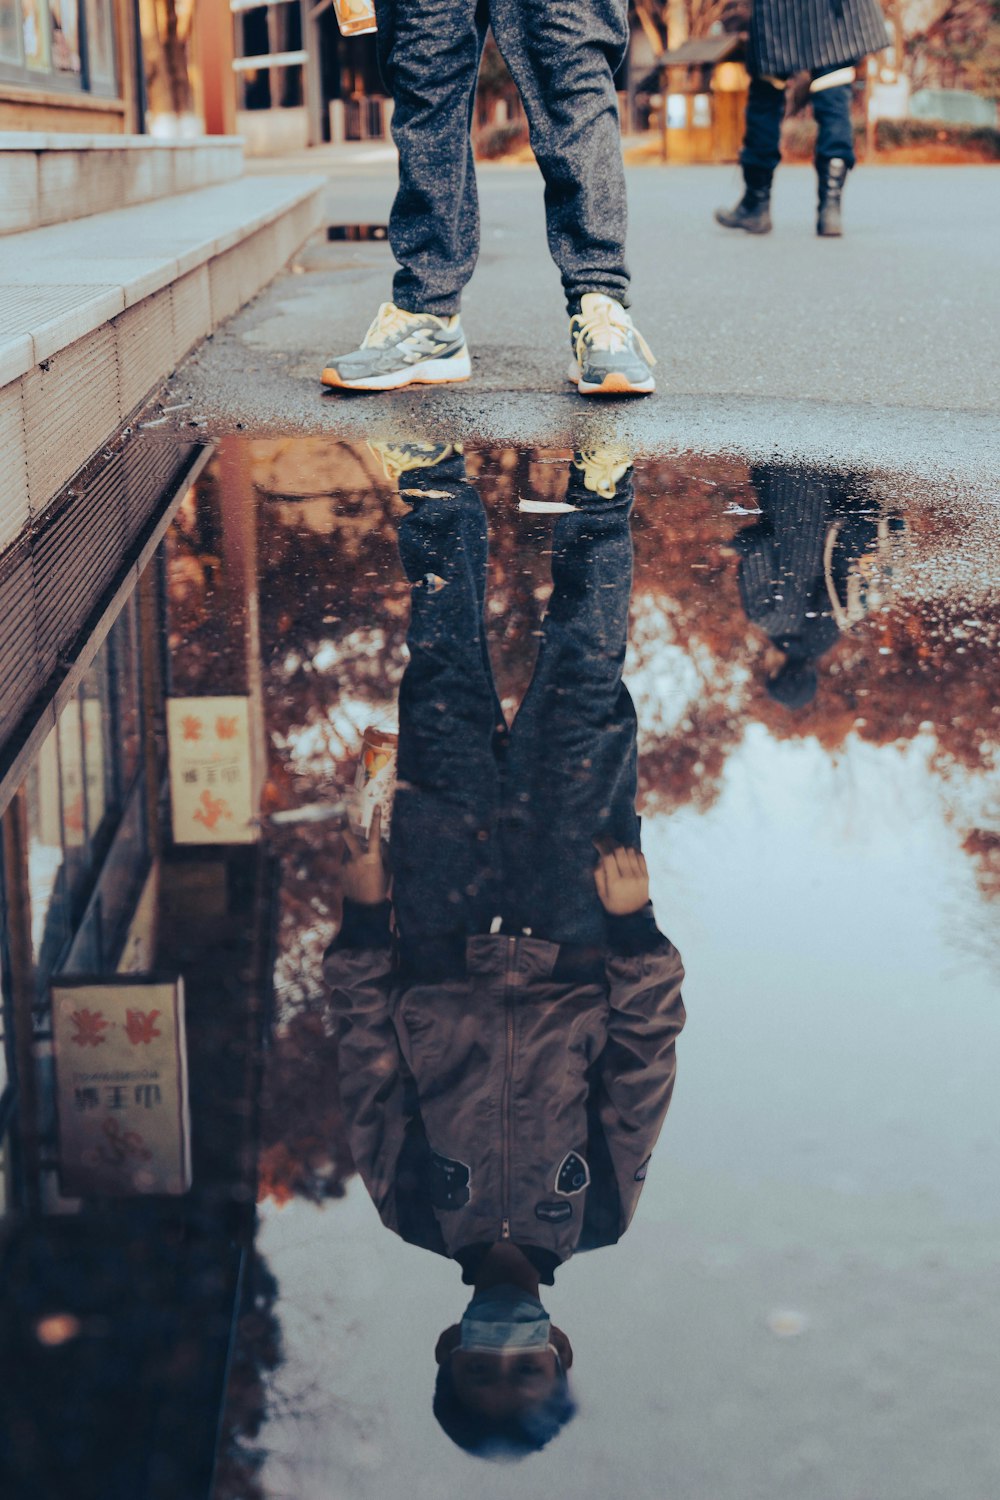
570	772
429	53
562	55
761	151
834	154
759	157
835	133
447	797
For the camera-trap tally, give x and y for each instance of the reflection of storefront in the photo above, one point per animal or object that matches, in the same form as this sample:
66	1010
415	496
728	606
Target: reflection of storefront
87	847
119	1303
68	65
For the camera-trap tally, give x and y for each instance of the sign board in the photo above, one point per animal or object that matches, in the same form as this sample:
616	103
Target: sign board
121	1086
212	786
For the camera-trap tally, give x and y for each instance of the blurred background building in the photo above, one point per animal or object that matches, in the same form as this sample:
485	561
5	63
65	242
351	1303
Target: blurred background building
280	74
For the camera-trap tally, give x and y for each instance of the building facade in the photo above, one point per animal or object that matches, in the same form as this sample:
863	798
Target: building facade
70	66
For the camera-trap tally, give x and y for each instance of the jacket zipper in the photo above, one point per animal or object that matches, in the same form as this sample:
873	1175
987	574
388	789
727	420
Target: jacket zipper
506	1092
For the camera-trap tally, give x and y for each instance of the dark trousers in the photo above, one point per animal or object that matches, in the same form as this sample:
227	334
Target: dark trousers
489	822
562	57
766	110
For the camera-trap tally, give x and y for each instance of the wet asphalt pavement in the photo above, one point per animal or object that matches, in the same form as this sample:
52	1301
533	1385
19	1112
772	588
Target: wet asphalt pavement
867	348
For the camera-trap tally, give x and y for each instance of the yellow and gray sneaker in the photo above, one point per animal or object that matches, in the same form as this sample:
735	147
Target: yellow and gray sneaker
610	355
403	348
603	469
398	459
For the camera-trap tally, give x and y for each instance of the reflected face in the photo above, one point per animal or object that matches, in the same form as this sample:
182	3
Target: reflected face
505	1384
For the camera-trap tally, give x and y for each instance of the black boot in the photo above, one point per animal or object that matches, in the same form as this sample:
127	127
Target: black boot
832	176
753	212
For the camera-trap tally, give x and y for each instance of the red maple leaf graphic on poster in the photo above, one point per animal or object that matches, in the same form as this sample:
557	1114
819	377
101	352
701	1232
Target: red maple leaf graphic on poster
191	727
225	729
140	1026
211	811
90	1028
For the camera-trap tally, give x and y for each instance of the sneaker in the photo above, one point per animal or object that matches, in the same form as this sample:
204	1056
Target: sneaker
611	357
403	348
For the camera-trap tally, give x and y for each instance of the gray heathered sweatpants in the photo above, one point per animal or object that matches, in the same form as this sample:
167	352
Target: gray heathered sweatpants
562	55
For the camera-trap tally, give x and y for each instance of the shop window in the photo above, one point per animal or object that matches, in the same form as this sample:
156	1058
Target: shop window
69	731
256	39
100	46
85	772
273	33
124	674
10	31
46	860
59	43
64	27
35	22
99	758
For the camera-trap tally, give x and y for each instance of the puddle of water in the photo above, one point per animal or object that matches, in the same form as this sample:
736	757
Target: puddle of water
789	676
357	232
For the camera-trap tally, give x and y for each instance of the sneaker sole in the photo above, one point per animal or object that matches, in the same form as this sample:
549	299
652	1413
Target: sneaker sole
432	372
612	385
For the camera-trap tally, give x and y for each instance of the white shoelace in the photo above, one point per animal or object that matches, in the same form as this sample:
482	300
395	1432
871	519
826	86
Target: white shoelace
389	320
608	327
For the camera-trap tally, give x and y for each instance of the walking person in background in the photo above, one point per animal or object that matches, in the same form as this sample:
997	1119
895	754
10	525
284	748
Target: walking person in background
814	565
825	39
563	58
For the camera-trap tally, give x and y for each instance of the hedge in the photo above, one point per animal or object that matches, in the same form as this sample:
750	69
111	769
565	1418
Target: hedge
799	137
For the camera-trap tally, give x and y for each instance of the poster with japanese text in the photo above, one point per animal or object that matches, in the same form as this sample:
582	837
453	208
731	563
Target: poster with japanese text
121	1086
212	791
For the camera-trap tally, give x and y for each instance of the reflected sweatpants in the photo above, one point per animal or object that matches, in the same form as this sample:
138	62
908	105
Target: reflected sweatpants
562	55
494	822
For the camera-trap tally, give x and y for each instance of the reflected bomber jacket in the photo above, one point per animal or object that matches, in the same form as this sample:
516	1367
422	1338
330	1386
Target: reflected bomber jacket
504	1102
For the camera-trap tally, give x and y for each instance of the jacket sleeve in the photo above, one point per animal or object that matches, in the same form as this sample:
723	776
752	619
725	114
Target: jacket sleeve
375	1087
638	1064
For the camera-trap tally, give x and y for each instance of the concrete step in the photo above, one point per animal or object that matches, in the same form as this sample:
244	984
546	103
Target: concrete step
94	315
48	179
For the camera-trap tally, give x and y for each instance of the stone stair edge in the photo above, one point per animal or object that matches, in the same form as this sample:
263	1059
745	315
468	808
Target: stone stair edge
22	350
48	140
60	413
49	177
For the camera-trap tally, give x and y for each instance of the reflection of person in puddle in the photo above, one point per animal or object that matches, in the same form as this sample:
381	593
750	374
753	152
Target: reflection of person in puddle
508	1060
810	568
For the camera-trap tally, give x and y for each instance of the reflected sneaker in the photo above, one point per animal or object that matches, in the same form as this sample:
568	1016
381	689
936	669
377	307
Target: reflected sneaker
603	469
398	459
610	355
403	348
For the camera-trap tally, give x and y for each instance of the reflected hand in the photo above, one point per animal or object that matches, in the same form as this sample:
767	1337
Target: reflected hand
364	874
621	877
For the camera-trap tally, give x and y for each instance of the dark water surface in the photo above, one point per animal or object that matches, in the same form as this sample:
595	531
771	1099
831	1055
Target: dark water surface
789	676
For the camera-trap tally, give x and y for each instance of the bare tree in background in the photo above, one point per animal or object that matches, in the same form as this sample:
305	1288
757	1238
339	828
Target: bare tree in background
166	34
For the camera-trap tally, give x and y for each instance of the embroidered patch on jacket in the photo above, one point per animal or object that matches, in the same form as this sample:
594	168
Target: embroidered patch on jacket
554	1213
450	1183
573	1175
640	1174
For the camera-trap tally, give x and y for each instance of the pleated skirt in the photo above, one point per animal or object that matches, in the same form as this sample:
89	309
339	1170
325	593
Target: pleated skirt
795	36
